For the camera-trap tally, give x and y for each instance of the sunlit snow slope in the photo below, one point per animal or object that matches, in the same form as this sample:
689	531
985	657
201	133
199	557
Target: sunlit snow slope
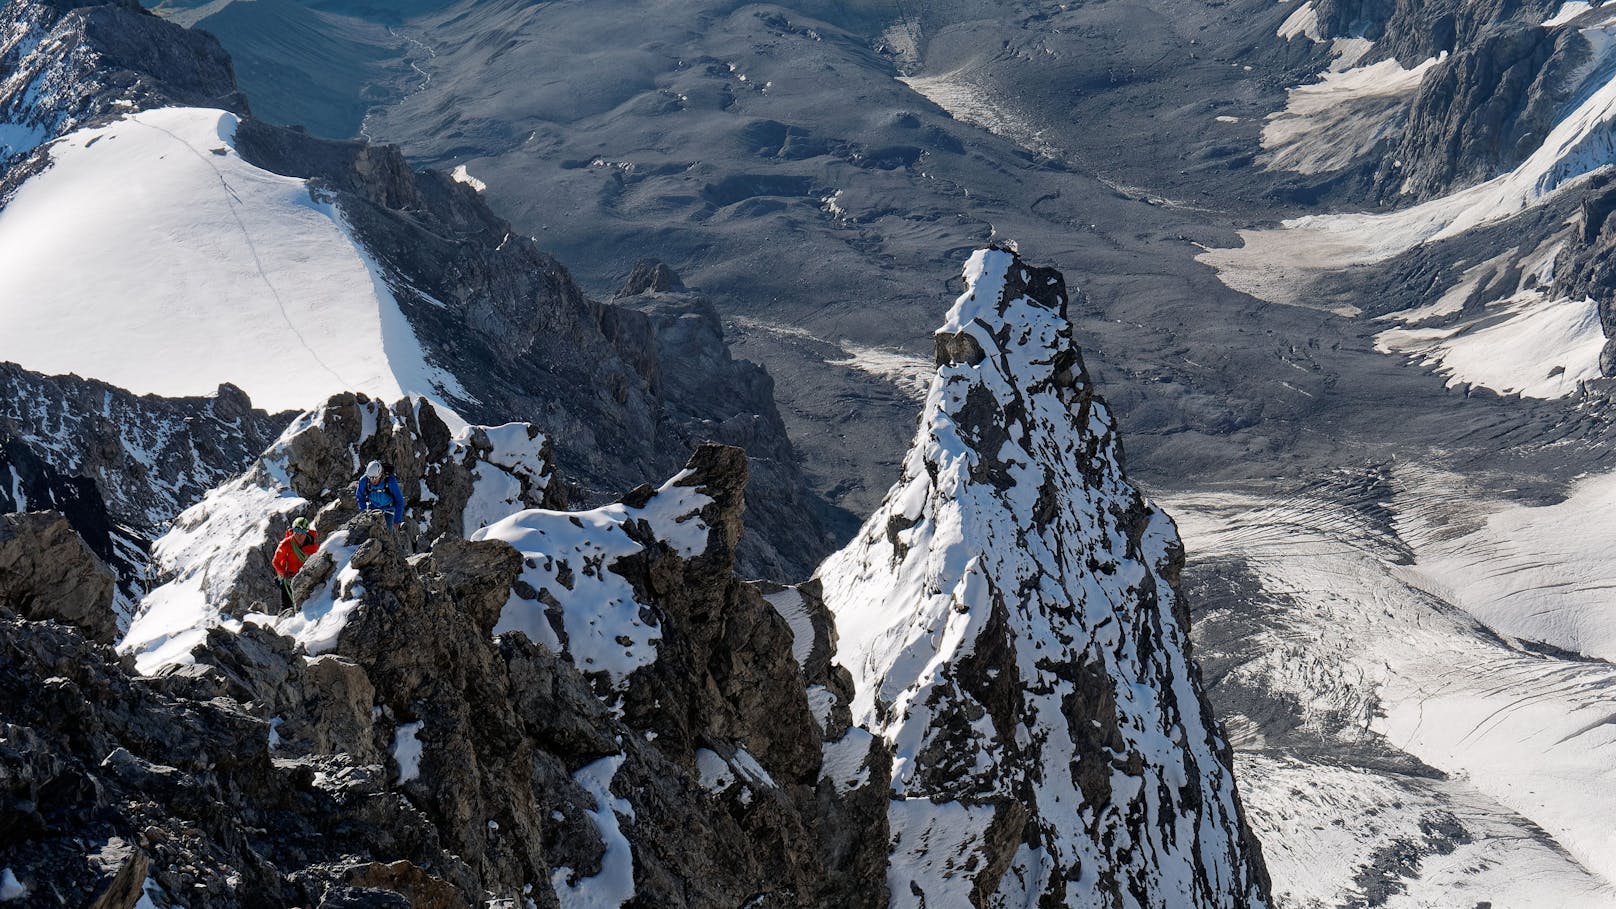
151	255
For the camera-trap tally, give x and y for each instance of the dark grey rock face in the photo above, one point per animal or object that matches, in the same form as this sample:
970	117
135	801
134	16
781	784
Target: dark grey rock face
1587	265
1412	32
1004	614
712	397
33	483
65	63
254	776
120	465
149	456
46	572
1484	109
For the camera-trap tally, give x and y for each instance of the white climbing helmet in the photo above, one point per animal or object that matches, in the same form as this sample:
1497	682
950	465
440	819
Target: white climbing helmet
374	470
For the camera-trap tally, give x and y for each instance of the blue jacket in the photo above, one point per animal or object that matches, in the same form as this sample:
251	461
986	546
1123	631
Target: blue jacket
384	497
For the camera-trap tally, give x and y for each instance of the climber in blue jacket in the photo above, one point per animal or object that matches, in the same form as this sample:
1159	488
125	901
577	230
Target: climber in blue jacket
379	491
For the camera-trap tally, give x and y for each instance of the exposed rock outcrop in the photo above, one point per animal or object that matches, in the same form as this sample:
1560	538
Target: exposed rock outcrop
46	572
1012	622
1413	32
149	456
101	60
1586	267
1484	109
214	565
712	397
395	734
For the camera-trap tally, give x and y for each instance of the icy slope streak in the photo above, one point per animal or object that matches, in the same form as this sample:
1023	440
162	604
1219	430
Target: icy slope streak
152	256
1008	618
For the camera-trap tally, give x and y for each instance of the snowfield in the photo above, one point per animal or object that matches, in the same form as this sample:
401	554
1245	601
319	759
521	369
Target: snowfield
1414	635
151	255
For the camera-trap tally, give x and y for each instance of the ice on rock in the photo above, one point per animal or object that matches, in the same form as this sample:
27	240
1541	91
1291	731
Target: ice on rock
1011	623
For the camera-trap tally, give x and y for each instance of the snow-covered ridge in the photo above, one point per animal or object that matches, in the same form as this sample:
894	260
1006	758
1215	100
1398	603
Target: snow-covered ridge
568	563
1010	621
236	274
214	562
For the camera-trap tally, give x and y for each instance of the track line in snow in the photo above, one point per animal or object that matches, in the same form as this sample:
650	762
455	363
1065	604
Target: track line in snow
258	262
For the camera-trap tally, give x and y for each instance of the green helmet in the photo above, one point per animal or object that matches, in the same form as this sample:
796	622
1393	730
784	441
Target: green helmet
301	525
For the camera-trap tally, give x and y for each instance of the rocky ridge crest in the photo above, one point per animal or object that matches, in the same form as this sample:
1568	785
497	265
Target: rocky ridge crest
1012	622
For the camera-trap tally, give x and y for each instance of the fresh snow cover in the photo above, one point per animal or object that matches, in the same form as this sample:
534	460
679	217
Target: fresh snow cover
821	701
460	175
239	275
206	549
790	605
717	774
747	766
1569	10
933	847
10	887
1525	735
320	618
407	751
209	544
569	554
951	554
614	885
1530	344
497	491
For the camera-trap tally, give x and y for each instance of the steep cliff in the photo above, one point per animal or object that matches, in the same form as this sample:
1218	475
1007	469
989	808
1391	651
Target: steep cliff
1011	618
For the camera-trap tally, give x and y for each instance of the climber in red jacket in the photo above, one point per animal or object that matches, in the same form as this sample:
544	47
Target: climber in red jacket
299	543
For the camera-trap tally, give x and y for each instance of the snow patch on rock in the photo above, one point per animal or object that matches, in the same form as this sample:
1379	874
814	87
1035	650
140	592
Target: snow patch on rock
614	885
568	559
1278	264
1530	344
407	751
461	175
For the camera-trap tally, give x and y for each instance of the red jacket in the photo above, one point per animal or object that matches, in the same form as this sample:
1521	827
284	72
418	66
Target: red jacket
287	557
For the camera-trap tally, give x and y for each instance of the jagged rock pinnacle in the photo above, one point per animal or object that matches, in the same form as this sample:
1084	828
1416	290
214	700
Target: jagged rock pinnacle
1010	619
